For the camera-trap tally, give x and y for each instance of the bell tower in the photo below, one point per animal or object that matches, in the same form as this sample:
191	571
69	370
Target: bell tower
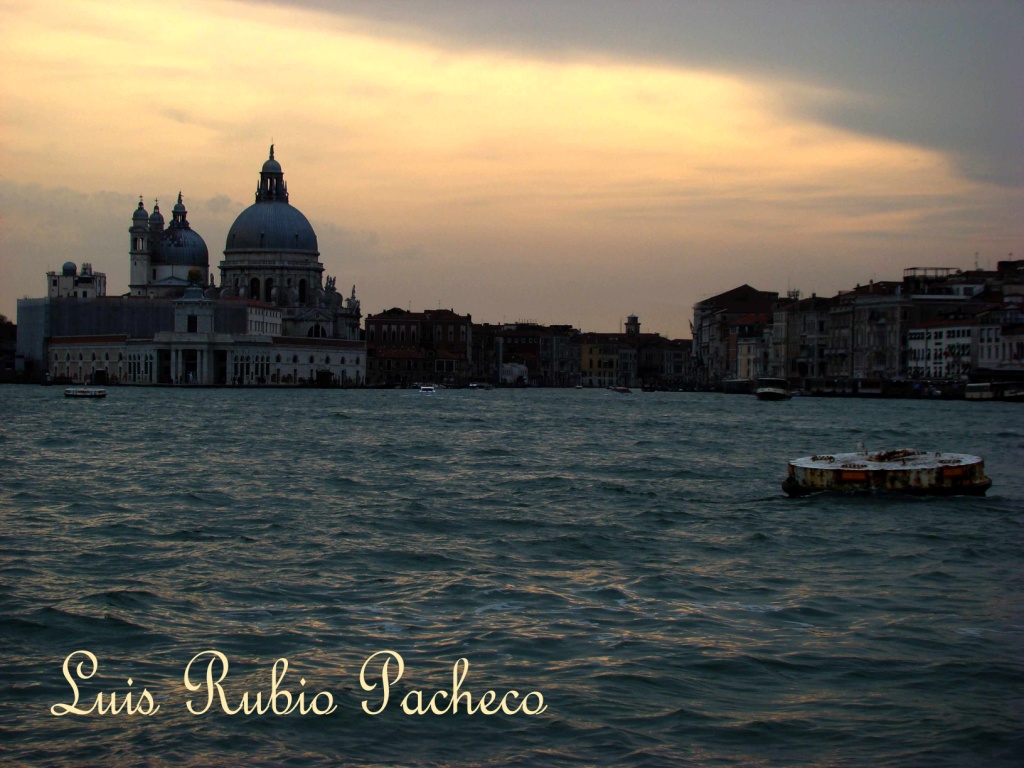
139	250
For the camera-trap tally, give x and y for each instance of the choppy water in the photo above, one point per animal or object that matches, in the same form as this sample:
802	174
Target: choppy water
632	558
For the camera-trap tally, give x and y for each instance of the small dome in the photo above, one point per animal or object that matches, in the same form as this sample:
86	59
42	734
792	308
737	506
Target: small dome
69	269
271	165
182	247
140	212
156	217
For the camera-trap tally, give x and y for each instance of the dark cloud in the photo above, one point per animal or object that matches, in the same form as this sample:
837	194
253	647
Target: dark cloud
944	74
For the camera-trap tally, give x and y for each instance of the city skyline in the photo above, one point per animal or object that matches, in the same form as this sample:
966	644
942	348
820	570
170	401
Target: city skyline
568	163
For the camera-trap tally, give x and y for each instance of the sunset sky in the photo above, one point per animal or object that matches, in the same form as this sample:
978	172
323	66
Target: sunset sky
565	162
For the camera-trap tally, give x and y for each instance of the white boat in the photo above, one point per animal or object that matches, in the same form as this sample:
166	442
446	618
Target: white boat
86	392
773	389
427	389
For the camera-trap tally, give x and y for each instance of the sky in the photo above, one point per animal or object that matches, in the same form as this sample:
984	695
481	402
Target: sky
564	161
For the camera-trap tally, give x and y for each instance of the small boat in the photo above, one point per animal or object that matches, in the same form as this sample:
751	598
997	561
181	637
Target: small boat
903	470
86	392
427	389
621	390
773	389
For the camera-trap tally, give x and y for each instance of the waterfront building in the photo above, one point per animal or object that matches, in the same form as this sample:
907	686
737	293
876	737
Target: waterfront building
68	283
547	353
274	321
998	349
405	348
600	359
941	349
272	255
799	337
8	344
718	325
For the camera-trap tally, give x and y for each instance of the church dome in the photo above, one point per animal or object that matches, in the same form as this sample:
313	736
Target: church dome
179	244
140	214
182	247
156	219
69	269
271	224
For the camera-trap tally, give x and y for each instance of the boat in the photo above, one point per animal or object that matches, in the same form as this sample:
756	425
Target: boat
903	470
427	389
772	389
1012	392
85	392
621	390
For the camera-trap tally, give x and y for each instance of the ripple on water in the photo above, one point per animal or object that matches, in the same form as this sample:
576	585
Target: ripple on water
633	559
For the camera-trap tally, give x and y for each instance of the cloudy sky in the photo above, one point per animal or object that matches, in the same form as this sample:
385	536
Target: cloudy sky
564	161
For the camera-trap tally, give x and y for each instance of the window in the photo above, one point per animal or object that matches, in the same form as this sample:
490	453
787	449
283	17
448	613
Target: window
193	324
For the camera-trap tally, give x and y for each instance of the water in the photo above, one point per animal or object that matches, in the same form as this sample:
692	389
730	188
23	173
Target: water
631	558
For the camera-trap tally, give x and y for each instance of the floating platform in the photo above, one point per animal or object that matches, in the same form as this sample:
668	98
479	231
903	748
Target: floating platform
903	471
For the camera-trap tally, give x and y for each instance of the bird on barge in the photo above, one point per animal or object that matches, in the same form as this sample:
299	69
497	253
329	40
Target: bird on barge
903	470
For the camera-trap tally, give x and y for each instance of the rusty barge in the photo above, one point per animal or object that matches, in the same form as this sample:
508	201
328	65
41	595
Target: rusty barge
903	471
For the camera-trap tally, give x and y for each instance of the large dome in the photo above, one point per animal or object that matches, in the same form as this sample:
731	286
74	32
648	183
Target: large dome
271	226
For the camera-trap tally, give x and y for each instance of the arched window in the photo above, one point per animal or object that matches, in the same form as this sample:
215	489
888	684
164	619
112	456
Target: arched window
327	360
268	289
312	360
302	291
254	288
279	358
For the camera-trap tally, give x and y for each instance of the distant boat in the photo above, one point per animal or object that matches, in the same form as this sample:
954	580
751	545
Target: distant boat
427	389
85	392
773	389
621	390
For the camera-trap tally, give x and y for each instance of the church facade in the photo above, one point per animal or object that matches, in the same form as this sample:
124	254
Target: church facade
274	320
